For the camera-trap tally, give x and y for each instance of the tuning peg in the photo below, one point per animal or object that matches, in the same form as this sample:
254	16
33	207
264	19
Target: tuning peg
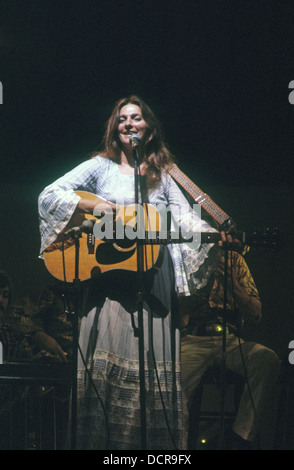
267	237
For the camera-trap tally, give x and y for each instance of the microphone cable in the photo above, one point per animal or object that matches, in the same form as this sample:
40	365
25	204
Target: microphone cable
159	388
91	379
82	356
155	366
240	349
98	396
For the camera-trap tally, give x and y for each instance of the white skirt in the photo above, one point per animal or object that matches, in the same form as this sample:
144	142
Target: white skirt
109	412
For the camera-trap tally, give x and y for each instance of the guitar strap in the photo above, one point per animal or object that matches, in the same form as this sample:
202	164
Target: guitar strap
220	217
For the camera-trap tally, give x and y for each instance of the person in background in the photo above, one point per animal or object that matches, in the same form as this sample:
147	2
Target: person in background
16	349
53	326
201	345
15	343
33	334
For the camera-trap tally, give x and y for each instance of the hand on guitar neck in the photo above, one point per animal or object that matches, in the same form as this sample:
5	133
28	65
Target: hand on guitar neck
229	240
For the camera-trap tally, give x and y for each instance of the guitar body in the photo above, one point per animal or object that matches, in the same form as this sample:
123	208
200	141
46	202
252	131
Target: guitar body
97	256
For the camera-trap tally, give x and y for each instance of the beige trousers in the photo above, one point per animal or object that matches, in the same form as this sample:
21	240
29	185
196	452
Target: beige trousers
262	369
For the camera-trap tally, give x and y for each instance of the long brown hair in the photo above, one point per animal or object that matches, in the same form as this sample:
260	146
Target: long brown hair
153	149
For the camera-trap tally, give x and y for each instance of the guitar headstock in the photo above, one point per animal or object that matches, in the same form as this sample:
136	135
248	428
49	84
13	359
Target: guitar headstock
265	238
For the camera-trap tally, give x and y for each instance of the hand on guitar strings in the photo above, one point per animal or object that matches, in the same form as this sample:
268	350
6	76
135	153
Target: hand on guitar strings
103	208
99	209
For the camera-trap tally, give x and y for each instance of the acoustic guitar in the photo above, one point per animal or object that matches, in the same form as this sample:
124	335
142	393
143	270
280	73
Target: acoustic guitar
113	241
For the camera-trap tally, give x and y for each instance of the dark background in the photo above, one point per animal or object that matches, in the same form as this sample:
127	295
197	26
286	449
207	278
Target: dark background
215	72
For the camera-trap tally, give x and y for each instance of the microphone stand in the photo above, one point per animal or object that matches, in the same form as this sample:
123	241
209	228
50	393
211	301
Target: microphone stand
139	331
223	358
75	234
75	324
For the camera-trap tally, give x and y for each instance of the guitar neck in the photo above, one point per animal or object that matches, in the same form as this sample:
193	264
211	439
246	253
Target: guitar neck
168	237
257	239
267	239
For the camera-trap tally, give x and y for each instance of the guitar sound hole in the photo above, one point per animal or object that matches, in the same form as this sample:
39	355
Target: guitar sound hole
107	254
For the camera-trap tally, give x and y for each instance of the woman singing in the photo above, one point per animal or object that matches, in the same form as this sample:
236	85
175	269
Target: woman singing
109	404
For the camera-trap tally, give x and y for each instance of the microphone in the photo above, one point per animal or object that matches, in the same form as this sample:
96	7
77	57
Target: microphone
85	227
134	140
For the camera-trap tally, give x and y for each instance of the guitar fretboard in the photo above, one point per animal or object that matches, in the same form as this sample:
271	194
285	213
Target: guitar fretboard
165	238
